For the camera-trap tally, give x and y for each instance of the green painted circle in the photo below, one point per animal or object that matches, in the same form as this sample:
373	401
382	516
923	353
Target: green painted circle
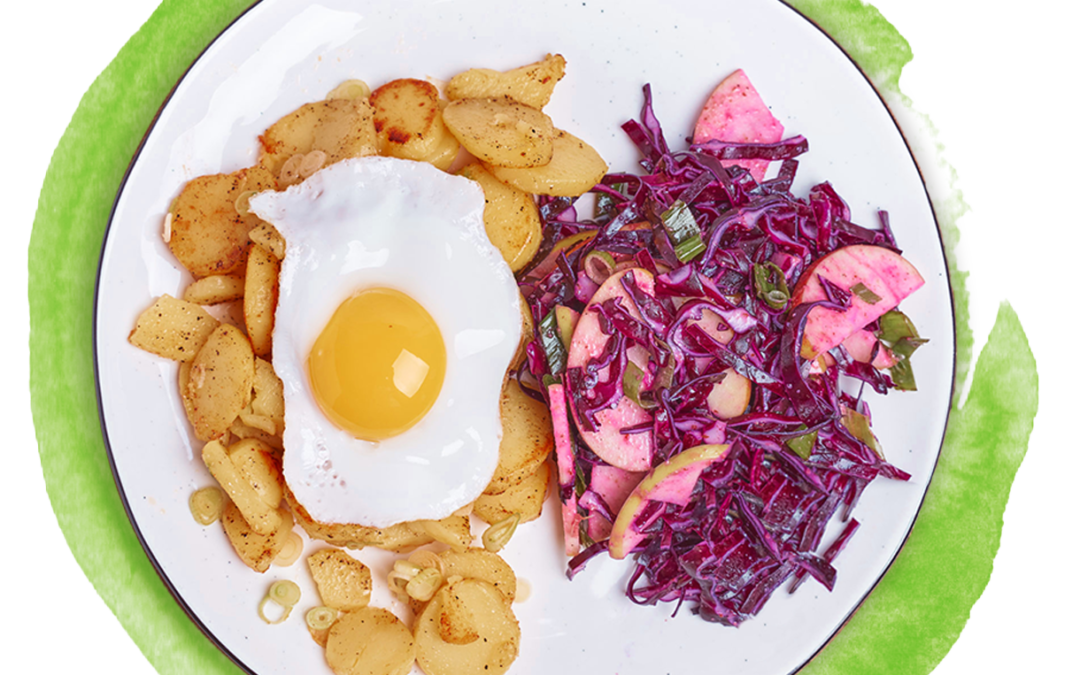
905	626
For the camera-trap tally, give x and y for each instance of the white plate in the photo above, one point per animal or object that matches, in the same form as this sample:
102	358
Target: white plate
283	53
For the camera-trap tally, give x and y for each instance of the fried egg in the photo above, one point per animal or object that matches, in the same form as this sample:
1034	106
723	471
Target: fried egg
395	324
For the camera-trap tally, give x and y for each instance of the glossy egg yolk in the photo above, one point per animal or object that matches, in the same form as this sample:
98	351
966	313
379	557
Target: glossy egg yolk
378	366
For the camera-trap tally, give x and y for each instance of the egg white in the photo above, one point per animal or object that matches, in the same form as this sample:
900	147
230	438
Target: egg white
381	222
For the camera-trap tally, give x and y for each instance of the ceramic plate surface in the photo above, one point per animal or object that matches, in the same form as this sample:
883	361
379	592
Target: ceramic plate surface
283	53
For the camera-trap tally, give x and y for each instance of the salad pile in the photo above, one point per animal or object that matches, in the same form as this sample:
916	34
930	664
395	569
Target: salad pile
704	342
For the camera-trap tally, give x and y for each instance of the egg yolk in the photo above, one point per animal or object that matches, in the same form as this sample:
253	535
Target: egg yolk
378	366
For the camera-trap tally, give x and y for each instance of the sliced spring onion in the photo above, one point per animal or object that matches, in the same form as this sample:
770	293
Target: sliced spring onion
407	568
290	553
207	504
312	162
865	294
285	611
683	229
498	535
552	343
285	593
403	572
243	202
422	587
282	593
290	170
321	618
599	265
350	90
771	285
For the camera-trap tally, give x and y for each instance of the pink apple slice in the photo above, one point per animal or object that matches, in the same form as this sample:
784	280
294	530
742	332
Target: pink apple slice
736	113
632	452
614	485
564	463
882	272
671	482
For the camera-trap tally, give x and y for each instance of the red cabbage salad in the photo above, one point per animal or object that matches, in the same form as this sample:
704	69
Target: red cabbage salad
698	341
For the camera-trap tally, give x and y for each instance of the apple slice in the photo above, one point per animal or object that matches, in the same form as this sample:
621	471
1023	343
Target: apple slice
672	482
729	397
614	485
564	462
632	452
885	278
861	345
736	113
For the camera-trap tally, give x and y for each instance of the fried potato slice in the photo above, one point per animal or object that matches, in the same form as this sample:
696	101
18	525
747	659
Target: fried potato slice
526	334
255	462
531	84
457	623
267	236
207	234
214	289
260	298
527	438
526	498
370	641
262	518
172	328
501	132
575	167
511	218
444	154
269	398
399	538
220	381
478	563
341	128
474	563
408	119
478	608
454	532
256	550
241	430
344	582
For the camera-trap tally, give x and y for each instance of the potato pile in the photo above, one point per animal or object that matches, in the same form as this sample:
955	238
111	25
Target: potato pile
493	131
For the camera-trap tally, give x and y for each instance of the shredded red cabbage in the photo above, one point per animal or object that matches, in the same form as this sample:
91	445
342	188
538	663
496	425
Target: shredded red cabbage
756	518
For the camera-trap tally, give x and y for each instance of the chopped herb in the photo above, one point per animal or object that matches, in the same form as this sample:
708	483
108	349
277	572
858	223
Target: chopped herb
903	376
865	294
894	325
897	331
771	285
683	229
551	341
